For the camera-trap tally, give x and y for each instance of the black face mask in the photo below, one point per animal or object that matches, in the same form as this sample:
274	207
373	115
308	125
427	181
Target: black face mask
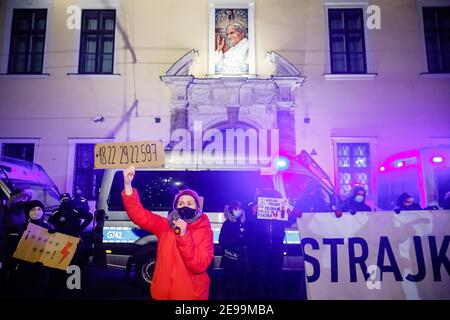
186	213
65	205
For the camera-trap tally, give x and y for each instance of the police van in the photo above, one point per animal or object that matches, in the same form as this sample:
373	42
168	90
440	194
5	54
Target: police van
126	245
20	174
422	172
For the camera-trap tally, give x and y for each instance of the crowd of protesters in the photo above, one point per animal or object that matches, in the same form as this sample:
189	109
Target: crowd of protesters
30	280
253	248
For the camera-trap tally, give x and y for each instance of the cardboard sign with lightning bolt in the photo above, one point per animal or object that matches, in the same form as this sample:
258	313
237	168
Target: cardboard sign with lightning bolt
54	250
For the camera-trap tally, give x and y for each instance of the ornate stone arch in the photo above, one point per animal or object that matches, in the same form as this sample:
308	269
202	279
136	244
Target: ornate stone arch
237	125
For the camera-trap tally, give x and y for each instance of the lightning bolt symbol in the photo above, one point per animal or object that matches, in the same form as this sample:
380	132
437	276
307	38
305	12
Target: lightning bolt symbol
65	251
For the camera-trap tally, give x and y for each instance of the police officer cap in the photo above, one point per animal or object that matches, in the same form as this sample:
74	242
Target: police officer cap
65	197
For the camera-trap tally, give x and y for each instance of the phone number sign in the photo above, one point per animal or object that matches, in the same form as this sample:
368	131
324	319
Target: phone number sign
144	154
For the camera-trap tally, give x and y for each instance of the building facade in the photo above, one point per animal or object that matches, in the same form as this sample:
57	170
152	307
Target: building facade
351	82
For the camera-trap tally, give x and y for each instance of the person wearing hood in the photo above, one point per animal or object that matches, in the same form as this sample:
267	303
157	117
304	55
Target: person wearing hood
35	214
406	202
66	219
312	199
185	243
356	201
14	219
70	221
233	243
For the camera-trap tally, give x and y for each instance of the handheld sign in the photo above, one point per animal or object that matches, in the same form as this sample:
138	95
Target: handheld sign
274	209
54	250
145	154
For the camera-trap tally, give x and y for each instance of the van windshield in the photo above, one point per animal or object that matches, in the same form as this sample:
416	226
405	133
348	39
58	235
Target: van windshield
158	188
48	195
20	174
20	170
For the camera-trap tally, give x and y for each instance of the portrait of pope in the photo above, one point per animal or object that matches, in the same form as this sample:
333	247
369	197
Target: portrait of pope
232	47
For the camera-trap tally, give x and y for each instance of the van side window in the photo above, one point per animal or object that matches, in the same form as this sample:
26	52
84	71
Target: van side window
158	188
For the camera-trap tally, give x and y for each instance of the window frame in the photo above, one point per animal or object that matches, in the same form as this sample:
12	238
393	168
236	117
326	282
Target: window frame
100	34
72	143
437	32
231	4
96	5
35	141
370	65
373	145
346	33
29	34
420	4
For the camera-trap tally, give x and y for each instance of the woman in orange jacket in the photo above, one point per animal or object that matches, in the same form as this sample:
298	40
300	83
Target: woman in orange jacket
185	243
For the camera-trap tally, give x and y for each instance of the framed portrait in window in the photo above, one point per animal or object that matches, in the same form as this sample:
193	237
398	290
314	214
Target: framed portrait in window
231	38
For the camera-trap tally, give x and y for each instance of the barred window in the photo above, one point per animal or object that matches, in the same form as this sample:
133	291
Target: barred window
353	161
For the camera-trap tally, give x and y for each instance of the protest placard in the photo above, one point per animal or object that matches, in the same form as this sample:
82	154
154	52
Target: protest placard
54	250
274	209
144	154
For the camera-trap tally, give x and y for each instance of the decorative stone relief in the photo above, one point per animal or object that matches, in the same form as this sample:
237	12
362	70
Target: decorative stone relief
235	101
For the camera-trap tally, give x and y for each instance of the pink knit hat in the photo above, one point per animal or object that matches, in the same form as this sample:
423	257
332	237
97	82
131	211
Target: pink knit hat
188	192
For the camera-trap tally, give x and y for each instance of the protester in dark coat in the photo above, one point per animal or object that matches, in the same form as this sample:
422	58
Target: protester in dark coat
67	220
14	218
70	221
355	202
13	226
80	203
233	242
31	279
266	247
406	202
312	200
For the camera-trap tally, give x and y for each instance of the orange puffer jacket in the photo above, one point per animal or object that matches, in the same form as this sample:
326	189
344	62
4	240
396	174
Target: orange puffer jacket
181	261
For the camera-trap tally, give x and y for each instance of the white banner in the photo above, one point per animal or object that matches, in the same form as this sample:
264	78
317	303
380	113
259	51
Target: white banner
377	255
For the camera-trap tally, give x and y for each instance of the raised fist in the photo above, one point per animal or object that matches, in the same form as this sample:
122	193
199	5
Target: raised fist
128	175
